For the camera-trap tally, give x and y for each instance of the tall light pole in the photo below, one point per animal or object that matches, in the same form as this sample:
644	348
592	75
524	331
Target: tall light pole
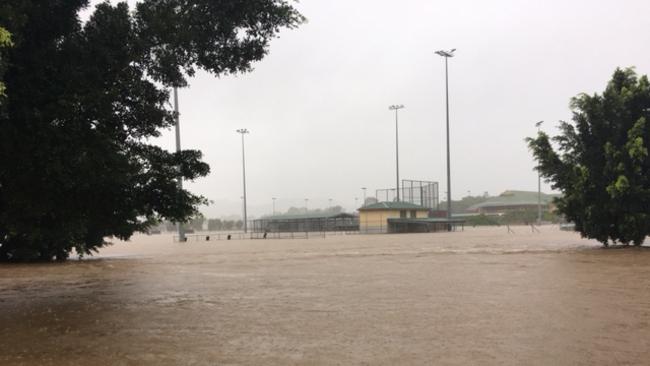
539	185
396	108
273	205
447	55
181	231
364	196
243	132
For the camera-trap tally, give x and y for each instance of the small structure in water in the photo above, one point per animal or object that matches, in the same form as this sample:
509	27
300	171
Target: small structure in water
310	222
402	217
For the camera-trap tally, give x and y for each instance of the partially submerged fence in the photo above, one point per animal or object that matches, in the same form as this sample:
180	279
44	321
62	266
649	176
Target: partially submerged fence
207	237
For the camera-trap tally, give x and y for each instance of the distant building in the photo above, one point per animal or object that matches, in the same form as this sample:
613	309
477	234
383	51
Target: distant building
512	201
400	217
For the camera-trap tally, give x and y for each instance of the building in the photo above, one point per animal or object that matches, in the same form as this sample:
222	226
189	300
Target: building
310	222
514	201
374	218
401	217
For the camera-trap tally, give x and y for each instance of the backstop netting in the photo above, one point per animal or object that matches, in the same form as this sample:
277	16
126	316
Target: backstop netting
419	192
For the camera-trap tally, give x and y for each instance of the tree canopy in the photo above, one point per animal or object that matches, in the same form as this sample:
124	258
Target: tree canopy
82	100
5	42
600	161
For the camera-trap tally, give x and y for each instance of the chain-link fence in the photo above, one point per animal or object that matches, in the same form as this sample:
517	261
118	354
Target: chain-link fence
418	192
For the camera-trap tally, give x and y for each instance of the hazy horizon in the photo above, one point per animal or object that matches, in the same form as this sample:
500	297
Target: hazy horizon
317	105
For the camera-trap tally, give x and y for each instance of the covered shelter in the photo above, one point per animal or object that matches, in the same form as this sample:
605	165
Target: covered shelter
308	222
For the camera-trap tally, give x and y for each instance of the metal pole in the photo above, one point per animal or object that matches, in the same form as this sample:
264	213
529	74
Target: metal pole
397	152
243	161
539	199
539	185
447	55
364	197
448	157
181	231
396	108
243	158
273	206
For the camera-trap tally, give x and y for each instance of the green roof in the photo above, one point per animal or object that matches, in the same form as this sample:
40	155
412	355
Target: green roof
393	206
514	198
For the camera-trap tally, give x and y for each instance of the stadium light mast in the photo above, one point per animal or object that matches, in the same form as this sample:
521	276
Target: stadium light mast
364	196
181	230
243	132
539	184
396	108
447	55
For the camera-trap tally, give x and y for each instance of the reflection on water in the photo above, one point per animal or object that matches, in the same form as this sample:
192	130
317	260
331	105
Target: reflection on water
474	297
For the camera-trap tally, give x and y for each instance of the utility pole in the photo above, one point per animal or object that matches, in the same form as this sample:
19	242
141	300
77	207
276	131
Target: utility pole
181	231
396	108
273	205
539	185
243	132
447	55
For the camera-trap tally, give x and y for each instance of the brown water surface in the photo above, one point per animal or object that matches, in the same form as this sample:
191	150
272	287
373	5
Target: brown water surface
479	297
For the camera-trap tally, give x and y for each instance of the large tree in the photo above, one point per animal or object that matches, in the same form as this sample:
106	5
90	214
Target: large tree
600	161
84	98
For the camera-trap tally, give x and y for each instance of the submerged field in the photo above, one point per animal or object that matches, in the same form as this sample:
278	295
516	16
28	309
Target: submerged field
475	297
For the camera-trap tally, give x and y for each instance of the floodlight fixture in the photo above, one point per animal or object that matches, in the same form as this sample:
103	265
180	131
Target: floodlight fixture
449	53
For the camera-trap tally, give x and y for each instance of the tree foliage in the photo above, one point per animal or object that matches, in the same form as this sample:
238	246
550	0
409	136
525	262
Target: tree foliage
84	98
5	42
600	161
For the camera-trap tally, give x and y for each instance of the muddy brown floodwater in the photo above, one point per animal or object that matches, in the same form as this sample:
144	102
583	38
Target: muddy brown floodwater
479	297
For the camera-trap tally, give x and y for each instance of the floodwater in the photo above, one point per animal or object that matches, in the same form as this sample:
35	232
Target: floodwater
478	297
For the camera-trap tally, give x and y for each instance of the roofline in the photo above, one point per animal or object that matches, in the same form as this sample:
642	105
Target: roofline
306	217
386	208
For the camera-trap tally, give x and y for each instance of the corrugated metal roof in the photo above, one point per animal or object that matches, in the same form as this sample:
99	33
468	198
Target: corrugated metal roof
514	198
308	216
393	206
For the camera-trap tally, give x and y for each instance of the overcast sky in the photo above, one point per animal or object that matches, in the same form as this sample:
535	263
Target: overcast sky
317	105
